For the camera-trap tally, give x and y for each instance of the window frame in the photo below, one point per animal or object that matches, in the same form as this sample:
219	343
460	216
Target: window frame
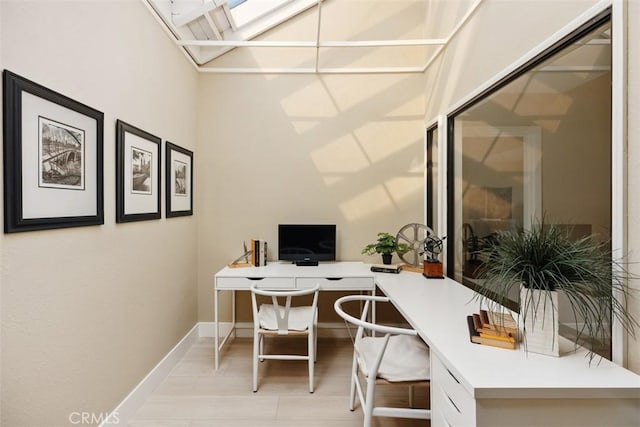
614	12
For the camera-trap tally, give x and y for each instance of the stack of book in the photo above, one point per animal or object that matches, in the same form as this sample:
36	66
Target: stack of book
258	252
386	268
493	328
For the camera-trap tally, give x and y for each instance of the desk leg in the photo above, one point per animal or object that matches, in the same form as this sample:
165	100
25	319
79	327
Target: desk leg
233	313
373	310
220	342
216	333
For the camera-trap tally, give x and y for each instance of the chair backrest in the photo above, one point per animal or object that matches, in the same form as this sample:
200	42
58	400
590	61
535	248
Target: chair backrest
363	325
282	316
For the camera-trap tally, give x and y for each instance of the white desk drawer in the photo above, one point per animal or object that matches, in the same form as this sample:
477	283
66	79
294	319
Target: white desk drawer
335	283
239	283
451	403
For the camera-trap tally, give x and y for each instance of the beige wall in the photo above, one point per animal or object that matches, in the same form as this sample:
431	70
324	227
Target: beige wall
305	149
87	312
340	149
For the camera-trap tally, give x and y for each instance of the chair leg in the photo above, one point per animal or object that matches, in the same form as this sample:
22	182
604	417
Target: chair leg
256	346
369	400
354	378
315	334
311	352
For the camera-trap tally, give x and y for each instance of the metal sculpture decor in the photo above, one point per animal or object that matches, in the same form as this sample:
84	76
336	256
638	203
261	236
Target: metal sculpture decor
432	266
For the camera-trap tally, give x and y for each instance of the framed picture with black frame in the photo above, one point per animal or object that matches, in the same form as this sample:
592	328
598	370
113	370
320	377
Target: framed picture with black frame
179	181
138	160
53	159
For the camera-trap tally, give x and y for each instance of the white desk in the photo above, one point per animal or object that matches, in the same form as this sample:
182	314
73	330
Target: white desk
332	276
475	385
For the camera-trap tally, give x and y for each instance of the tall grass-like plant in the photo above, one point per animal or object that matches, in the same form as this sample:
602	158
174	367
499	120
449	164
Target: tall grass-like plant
547	259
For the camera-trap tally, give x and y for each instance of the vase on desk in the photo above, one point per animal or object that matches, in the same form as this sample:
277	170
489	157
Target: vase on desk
386	258
539	320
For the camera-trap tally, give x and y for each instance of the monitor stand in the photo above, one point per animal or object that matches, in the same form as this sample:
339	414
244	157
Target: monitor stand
306	263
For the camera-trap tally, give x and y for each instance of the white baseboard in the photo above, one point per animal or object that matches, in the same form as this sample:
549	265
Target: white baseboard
245	330
121	415
207	329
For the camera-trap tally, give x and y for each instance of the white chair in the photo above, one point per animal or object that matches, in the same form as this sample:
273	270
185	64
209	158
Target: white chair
393	356
277	320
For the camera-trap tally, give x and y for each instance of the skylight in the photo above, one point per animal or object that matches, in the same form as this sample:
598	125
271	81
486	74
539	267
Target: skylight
234	3
388	38
247	12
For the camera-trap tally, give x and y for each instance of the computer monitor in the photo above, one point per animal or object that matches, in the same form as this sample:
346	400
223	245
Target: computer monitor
307	242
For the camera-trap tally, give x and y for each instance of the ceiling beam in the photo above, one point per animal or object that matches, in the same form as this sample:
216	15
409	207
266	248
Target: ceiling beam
453	33
192	15
318	35
311	70
574	68
213	26
277	43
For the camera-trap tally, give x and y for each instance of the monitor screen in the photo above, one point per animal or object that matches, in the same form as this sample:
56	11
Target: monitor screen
301	242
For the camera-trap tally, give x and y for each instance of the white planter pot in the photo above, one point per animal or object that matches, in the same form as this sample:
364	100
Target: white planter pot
539	321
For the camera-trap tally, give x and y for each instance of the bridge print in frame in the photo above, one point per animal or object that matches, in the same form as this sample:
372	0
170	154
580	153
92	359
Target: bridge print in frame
53	159
137	174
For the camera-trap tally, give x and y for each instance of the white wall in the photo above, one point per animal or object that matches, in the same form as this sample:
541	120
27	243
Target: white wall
87	312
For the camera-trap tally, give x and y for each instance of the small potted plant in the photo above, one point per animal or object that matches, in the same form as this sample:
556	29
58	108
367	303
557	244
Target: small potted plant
386	245
544	261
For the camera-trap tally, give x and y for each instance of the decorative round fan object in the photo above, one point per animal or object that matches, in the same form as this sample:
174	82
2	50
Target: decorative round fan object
415	236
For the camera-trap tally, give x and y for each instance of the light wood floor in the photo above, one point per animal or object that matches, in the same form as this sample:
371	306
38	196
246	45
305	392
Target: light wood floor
195	395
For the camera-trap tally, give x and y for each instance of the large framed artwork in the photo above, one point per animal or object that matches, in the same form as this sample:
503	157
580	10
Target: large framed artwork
53	154
137	174
179	181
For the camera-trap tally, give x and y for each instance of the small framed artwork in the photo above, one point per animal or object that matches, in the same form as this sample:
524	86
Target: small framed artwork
137	174
179	181
53	159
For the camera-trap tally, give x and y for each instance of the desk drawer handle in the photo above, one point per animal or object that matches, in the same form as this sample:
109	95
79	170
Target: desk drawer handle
334	278
255	278
451	402
453	376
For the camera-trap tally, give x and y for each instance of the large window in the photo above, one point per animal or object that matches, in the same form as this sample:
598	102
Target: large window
537	144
